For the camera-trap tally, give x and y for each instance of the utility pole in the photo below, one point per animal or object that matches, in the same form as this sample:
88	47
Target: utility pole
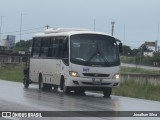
124	39
112	31
1	28
21	24
94	25
47	26
156	46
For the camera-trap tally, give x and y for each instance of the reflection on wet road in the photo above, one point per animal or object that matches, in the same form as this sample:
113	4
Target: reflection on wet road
13	97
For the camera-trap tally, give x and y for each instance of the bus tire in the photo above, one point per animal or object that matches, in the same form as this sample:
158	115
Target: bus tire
80	92
65	89
107	92
47	87
26	82
55	87
40	81
61	82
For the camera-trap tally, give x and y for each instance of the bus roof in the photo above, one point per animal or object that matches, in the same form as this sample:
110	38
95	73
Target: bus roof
66	32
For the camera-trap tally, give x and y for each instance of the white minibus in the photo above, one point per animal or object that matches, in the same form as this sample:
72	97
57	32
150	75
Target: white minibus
74	60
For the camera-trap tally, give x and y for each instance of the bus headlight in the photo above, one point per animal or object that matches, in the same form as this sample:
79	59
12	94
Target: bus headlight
73	74
116	76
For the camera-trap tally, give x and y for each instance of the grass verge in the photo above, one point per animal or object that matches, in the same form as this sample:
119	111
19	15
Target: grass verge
138	70
12	72
134	89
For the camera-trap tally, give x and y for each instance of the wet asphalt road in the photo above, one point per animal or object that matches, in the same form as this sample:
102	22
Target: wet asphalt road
13	97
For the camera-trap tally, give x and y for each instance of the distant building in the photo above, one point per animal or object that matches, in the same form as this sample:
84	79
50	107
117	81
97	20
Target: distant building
6	58
11	58
2	48
9	42
150	54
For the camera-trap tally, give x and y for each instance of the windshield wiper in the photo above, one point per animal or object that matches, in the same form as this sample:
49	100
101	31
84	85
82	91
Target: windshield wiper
94	54
104	58
98	52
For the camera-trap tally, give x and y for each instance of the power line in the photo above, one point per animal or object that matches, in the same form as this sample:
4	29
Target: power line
22	30
28	33
34	28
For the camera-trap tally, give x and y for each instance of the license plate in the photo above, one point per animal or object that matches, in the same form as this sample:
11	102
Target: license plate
96	81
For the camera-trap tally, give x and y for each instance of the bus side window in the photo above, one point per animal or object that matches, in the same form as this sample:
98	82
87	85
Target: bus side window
65	52
45	42
62	46
36	47
65	48
53	48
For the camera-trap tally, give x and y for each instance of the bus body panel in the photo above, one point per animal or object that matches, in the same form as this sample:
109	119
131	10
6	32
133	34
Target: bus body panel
49	68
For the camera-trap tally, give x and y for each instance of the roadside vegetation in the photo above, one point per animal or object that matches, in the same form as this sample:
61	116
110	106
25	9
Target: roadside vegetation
142	60
12	72
137	57
133	89
128	88
138	70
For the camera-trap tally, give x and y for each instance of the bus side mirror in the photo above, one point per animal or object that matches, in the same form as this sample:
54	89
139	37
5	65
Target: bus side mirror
120	48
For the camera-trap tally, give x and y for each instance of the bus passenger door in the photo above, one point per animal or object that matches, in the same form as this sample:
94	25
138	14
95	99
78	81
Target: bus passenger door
62	46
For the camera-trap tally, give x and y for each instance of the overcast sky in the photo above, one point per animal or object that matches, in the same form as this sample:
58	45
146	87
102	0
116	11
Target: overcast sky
136	21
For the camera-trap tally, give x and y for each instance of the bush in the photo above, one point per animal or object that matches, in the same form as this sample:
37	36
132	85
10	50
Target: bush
149	61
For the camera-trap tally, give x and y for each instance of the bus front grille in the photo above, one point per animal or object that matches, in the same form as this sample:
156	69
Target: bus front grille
95	75
90	83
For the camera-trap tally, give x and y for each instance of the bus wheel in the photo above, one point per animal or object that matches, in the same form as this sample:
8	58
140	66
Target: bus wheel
107	92
55	87
47	87
26	82
40	83
80	92
65	88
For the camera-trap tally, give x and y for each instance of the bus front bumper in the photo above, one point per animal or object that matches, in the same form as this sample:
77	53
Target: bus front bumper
92	82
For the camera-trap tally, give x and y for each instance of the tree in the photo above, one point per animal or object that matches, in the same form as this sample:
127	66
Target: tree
144	48
135	52
127	50
23	45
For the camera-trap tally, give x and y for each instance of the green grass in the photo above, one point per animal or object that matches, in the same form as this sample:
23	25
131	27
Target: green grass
138	70
133	89
12	72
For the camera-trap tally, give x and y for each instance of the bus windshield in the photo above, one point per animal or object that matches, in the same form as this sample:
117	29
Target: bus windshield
94	50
